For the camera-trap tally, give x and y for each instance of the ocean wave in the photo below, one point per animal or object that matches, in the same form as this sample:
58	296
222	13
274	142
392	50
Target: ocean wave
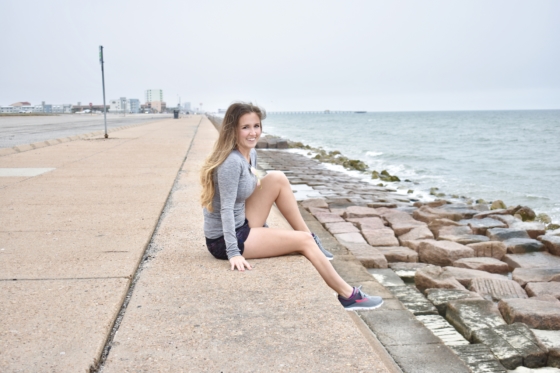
373	154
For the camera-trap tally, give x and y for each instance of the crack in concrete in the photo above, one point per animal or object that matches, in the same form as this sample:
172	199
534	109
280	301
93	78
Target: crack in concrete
149	254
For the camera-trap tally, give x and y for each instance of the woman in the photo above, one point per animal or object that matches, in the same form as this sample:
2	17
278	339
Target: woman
236	204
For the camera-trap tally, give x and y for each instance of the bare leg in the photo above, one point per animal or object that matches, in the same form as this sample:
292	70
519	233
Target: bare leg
268	242
275	187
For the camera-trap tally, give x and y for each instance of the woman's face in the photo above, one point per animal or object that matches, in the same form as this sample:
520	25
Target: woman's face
248	131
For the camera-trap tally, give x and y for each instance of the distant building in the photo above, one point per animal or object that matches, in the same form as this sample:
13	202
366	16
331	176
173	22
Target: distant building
134	105
154	95
119	105
186	106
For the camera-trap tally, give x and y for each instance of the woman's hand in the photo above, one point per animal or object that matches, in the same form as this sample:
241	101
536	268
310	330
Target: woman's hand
240	263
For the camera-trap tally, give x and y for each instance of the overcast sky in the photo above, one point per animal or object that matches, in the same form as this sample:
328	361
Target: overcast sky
286	55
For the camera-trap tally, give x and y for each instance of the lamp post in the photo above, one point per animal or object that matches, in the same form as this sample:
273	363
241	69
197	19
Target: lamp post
103	82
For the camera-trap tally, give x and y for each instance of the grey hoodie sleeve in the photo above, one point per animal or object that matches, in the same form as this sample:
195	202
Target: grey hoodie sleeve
229	174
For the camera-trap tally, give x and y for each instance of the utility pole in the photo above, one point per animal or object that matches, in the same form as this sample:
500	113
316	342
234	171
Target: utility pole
103	81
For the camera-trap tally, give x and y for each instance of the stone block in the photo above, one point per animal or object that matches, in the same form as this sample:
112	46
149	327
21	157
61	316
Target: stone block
398	254
532	260
367	224
443	252
377	205
282	144
328	217
551	340
534	229
314	202
369	256
262	144
496	290
490	265
464	239
465	276
479	358
480	226
347	238
552	244
514	345
386	277
526	275
435	277
406	270
381	237
451	230
341	227
436	225
523	245
535	289
443	330
414	244
360	212
537	314
491	249
428	214
470	315
502	234
440	297
419	233
432	358
413	300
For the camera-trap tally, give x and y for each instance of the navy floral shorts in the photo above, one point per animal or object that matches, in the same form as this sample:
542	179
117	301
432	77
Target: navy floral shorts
217	246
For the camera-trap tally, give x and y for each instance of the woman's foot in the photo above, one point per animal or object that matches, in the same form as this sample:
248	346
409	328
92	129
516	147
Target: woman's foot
329	255
360	301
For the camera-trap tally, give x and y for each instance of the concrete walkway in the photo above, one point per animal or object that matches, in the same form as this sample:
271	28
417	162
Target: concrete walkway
72	238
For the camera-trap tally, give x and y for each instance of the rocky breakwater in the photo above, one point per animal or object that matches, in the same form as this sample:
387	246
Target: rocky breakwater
489	274
483	277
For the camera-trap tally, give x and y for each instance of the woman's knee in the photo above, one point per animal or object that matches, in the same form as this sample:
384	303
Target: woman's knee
277	177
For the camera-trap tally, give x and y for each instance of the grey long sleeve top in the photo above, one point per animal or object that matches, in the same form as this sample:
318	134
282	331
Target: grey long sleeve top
234	183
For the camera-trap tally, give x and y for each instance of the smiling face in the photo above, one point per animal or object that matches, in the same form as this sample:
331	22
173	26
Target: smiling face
248	132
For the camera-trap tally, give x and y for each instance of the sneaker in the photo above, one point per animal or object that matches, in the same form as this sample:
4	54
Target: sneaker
329	255
360	301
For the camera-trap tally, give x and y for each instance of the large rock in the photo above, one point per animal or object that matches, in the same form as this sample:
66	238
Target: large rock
428	214
360	212
466	276
381	237
413	300
406	270
532	260
464	239
443	330
551	340
497	289
523	245
525	213
386	277
419	233
537	314
533	229
462	209
490	249
369	256
328	217
491	265
436	225
440	297
415	244
348	238
510	220
395	254
470	315
341	227
451	230
535	289
315	202
552	244
367	224
480	226
433	277
502	234
401	222
525	275
479	358
443	253
485	214
514	345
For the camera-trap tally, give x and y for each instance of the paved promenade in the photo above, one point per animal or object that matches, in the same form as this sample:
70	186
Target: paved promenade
117	220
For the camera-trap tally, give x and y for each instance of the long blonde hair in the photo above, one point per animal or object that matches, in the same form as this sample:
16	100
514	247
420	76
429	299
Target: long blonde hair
226	143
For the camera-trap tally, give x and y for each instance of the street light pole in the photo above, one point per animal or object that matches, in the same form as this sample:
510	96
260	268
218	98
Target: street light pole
103	81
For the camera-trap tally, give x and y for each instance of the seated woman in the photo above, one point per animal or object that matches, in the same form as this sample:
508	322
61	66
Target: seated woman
236	204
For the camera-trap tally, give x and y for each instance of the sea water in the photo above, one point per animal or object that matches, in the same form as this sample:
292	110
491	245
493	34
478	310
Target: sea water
513	156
